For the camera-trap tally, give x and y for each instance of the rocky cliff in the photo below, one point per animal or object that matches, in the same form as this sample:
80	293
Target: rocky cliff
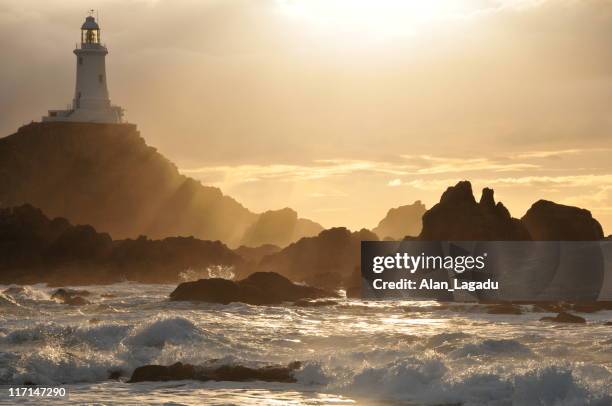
401	222
107	176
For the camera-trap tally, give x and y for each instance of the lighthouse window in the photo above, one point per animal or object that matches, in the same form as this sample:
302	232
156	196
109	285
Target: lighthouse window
101	78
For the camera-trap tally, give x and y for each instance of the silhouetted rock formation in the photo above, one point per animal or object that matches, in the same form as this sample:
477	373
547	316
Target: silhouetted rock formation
551	221
279	227
34	248
327	260
255	254
459	217
564	317
259	288
401	221
232	373
106	176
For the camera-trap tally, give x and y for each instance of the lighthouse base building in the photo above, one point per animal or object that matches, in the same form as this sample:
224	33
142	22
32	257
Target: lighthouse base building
91	102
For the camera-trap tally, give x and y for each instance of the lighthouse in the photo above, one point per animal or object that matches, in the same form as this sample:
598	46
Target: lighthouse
91	102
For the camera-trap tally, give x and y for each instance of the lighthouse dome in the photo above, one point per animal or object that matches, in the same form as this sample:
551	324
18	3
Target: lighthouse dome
90	24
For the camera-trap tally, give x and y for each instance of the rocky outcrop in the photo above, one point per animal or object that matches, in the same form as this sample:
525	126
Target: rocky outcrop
279	227
260	288
327	260
459	217
401	222
34	248
565	317
106	175
71	297
232	373
547	220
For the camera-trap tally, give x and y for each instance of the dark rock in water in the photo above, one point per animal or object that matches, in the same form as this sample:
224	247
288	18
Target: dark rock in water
401	221
564	317
315	303
608	323
459	217
259	288
547	220
235	373
174	372
592	307
94	320
70	297
504	308
547	307
115	374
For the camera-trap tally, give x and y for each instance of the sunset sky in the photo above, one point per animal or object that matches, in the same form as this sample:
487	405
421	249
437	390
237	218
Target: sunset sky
342	109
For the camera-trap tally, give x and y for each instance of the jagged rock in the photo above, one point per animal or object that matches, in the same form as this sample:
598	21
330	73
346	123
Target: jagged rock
504	308
233	373
547	220
326	261
106	175
401	221
260	288
564	317
459	217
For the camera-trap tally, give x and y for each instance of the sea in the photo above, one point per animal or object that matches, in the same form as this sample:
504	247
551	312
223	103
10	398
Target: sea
352	353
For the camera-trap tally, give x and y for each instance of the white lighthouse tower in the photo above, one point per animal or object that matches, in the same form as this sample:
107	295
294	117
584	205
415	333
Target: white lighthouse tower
91	102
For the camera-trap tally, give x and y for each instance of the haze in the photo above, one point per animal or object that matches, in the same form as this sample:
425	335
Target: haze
343	109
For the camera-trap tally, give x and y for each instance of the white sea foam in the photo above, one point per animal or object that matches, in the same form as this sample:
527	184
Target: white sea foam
365	351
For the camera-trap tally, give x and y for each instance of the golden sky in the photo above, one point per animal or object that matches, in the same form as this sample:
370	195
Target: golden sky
342	109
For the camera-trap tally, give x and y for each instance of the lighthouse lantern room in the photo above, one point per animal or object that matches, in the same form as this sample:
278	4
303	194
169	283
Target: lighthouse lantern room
91	102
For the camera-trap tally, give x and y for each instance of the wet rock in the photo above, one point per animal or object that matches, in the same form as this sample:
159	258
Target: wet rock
504	308
260	288
608	323
235	373
564	317
70	297
115	374
550	307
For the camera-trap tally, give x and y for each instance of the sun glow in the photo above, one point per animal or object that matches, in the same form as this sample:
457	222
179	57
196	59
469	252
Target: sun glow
378	17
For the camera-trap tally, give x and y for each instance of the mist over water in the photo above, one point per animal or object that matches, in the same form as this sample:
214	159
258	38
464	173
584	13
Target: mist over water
368	352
